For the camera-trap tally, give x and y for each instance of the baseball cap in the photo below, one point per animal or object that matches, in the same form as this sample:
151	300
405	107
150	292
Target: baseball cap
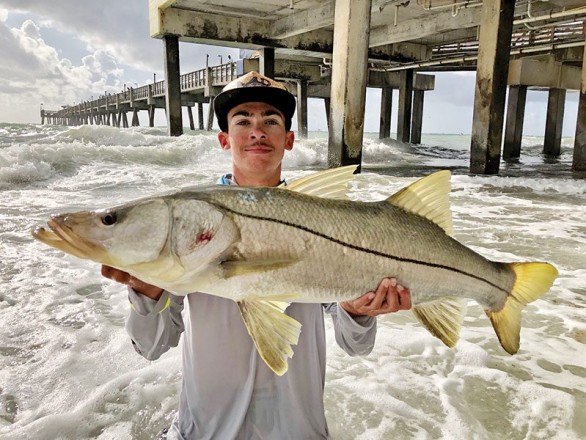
254	87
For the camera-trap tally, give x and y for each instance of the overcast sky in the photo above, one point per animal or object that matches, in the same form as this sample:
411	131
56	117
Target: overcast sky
62	52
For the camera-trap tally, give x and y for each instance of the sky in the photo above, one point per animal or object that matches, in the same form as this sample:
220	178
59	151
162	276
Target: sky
62	52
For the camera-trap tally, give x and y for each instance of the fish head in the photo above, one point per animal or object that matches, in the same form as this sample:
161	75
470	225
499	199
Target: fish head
120	237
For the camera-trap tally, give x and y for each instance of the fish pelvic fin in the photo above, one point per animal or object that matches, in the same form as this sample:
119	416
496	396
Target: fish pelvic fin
428	197
331	184
272	331
443	318
533	280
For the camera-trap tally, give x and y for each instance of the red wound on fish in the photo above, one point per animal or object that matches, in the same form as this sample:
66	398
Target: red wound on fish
203	237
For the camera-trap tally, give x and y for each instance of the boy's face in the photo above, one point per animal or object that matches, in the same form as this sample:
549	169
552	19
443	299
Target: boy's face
257	138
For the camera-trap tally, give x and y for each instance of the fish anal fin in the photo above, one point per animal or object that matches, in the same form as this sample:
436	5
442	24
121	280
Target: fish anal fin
272	331
428	197
533	280
235	268
332	183
442	318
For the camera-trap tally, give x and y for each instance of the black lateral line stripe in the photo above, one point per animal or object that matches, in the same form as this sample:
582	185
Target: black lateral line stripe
368	251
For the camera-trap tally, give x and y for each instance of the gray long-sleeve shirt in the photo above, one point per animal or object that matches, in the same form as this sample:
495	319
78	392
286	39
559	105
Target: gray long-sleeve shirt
228	392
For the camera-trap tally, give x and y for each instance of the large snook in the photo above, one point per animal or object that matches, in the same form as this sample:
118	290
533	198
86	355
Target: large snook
265	247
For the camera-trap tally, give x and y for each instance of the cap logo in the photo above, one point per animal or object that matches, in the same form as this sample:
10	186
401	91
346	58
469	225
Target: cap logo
256	81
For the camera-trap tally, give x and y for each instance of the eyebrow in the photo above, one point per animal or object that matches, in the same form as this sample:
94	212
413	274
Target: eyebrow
265	113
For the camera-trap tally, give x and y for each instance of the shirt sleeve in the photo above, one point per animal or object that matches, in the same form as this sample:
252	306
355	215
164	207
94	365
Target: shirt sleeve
356	335
154	326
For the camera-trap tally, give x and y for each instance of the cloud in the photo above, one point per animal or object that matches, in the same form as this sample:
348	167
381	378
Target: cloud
37	73
119	28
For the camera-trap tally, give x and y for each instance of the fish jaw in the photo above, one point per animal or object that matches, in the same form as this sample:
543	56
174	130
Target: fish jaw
62	237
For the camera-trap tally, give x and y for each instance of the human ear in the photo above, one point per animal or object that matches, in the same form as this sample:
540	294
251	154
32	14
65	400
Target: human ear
223	139
289	141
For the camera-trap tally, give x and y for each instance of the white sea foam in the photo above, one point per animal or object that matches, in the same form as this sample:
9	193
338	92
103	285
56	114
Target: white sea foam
67	369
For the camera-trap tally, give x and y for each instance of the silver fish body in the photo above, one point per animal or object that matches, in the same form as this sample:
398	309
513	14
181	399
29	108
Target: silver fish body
266	247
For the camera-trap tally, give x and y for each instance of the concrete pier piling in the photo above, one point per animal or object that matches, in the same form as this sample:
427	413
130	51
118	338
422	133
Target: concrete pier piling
514	122
348	86
491	82
579	159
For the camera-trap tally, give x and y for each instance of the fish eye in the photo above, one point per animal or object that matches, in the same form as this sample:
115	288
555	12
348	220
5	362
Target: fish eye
109	219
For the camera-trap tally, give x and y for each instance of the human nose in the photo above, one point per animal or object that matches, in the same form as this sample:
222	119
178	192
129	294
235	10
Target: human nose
257	130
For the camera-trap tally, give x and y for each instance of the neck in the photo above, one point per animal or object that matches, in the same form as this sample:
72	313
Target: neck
253	179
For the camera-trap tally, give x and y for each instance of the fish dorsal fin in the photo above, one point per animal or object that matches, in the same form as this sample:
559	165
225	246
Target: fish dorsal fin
428	197
442	318
332	184
272	331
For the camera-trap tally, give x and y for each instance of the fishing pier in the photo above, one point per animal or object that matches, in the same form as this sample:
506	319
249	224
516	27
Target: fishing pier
335	49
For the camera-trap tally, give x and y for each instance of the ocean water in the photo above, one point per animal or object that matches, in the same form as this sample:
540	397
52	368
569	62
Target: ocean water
67	368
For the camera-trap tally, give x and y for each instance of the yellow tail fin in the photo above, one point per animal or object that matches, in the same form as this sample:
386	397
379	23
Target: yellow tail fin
533	280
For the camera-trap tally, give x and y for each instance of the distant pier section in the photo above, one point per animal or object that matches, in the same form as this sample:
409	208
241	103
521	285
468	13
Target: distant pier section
199	87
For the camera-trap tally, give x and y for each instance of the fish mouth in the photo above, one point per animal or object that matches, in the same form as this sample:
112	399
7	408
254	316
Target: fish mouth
62	237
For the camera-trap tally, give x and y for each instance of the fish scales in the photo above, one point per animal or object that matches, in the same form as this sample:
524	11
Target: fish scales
357	242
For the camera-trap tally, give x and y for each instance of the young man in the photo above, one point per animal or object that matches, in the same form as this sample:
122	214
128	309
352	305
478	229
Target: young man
228	392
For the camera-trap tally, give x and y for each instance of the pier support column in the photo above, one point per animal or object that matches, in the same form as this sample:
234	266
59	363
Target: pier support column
348	87
579	159
135	121
151	115
125	119
302	108
210	125
514	123
190	115
405	106
554	123
200	115
266	63
327	105
386	104
491	83
173	86
417	119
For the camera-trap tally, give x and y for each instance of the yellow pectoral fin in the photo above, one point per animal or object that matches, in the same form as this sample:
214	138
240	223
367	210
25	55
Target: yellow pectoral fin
443	318
235	268
272	331
163	270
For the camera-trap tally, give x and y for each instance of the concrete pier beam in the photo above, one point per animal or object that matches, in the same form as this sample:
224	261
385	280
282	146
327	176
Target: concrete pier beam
514	122
405	106
386	104
554	123
417	118
302	108
491	83
579	159
172	86
348	87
